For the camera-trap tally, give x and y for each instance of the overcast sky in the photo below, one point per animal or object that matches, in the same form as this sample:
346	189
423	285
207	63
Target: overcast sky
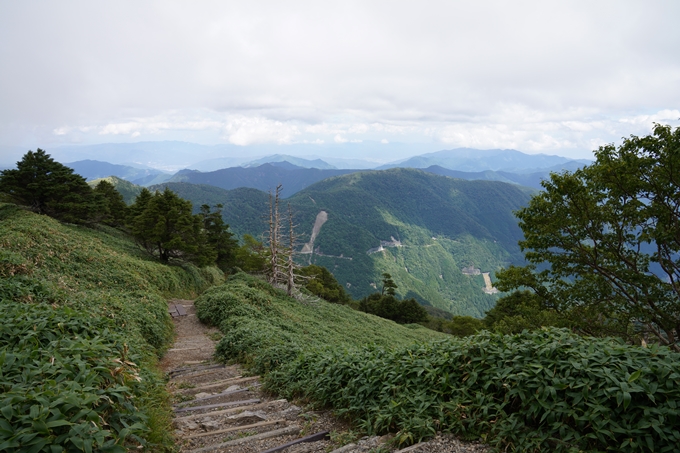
537	76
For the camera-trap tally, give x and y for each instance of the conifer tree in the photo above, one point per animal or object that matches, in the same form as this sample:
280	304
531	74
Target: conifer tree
48	187
115	209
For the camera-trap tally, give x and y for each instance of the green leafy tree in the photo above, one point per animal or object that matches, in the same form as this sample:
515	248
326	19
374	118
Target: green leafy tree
251	256
165	226
606	238
114	211
521	310
319	281
218	237
388	285
48	187
463	326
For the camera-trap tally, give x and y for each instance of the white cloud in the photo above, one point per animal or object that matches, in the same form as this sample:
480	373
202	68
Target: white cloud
534	76
340	139
244	131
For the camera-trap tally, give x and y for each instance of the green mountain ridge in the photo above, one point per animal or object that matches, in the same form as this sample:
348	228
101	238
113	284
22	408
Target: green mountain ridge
430	228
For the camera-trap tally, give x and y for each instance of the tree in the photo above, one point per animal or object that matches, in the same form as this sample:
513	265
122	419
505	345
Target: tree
218	237
607	240
164	225
251	255
388	285
115	210
320	282
48	187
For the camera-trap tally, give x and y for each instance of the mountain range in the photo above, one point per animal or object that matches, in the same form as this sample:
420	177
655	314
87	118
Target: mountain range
296	173
424	229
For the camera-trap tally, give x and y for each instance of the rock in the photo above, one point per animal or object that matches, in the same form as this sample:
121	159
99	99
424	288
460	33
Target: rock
210	425
248	417
191	425
202	395
292	412
231	387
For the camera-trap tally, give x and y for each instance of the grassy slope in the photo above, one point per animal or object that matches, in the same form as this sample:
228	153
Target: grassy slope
263	327
97	273
548	390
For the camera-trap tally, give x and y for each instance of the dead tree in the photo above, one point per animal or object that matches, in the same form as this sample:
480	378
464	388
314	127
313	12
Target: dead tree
281	267
291	265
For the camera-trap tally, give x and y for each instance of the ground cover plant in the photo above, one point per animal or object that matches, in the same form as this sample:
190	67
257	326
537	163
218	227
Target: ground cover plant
547	390
263	328
67	288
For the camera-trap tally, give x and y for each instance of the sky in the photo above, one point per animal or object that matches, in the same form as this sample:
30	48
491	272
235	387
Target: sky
557	77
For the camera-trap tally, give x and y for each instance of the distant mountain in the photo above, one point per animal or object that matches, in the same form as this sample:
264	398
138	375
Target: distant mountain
265	177
422	228
297	161
529	180
218	163
478	160
128	190
94	169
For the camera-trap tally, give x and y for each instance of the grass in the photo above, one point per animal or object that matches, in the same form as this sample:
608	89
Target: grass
264	328
75	275
548	390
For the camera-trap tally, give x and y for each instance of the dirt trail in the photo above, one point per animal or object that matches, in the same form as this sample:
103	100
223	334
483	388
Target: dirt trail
220	409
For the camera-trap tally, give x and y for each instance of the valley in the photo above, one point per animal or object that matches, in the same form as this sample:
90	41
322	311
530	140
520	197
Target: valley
442	225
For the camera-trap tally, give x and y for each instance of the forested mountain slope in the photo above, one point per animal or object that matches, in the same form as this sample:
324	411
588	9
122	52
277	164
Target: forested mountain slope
423	229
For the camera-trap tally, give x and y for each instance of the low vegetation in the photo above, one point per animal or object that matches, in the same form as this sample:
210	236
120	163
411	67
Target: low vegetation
263	328
84	320
543	391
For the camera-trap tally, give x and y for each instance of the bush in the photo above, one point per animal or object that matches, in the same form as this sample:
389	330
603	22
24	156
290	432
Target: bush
548	390
68	382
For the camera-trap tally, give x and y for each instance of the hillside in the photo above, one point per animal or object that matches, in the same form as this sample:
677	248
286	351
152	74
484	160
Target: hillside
94	169
430	228
479	160
263	177
263	326
84	320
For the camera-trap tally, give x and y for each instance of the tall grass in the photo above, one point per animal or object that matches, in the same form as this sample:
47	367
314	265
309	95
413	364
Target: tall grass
55	276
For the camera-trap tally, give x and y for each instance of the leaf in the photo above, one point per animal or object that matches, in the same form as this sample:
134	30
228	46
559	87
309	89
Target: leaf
635	376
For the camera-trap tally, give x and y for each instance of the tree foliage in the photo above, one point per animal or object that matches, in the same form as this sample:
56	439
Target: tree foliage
218	237
607	238
48	187
115	210
320	282
163	223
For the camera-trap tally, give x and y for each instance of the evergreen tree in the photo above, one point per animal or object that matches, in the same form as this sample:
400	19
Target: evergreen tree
388	285
115	209
165	225
218	237
320	282
48	187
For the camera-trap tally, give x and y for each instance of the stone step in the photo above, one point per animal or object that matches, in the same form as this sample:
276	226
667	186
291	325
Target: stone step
214	384
211	406
245	440
233	410
236	428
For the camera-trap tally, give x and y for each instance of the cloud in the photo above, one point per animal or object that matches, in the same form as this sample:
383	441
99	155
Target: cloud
256	130
534	75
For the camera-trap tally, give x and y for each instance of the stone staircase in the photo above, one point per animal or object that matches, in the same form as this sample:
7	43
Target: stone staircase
218	408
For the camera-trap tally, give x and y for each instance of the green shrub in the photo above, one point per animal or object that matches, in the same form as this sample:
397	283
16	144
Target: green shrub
548	390
87	292
68	383
263	328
